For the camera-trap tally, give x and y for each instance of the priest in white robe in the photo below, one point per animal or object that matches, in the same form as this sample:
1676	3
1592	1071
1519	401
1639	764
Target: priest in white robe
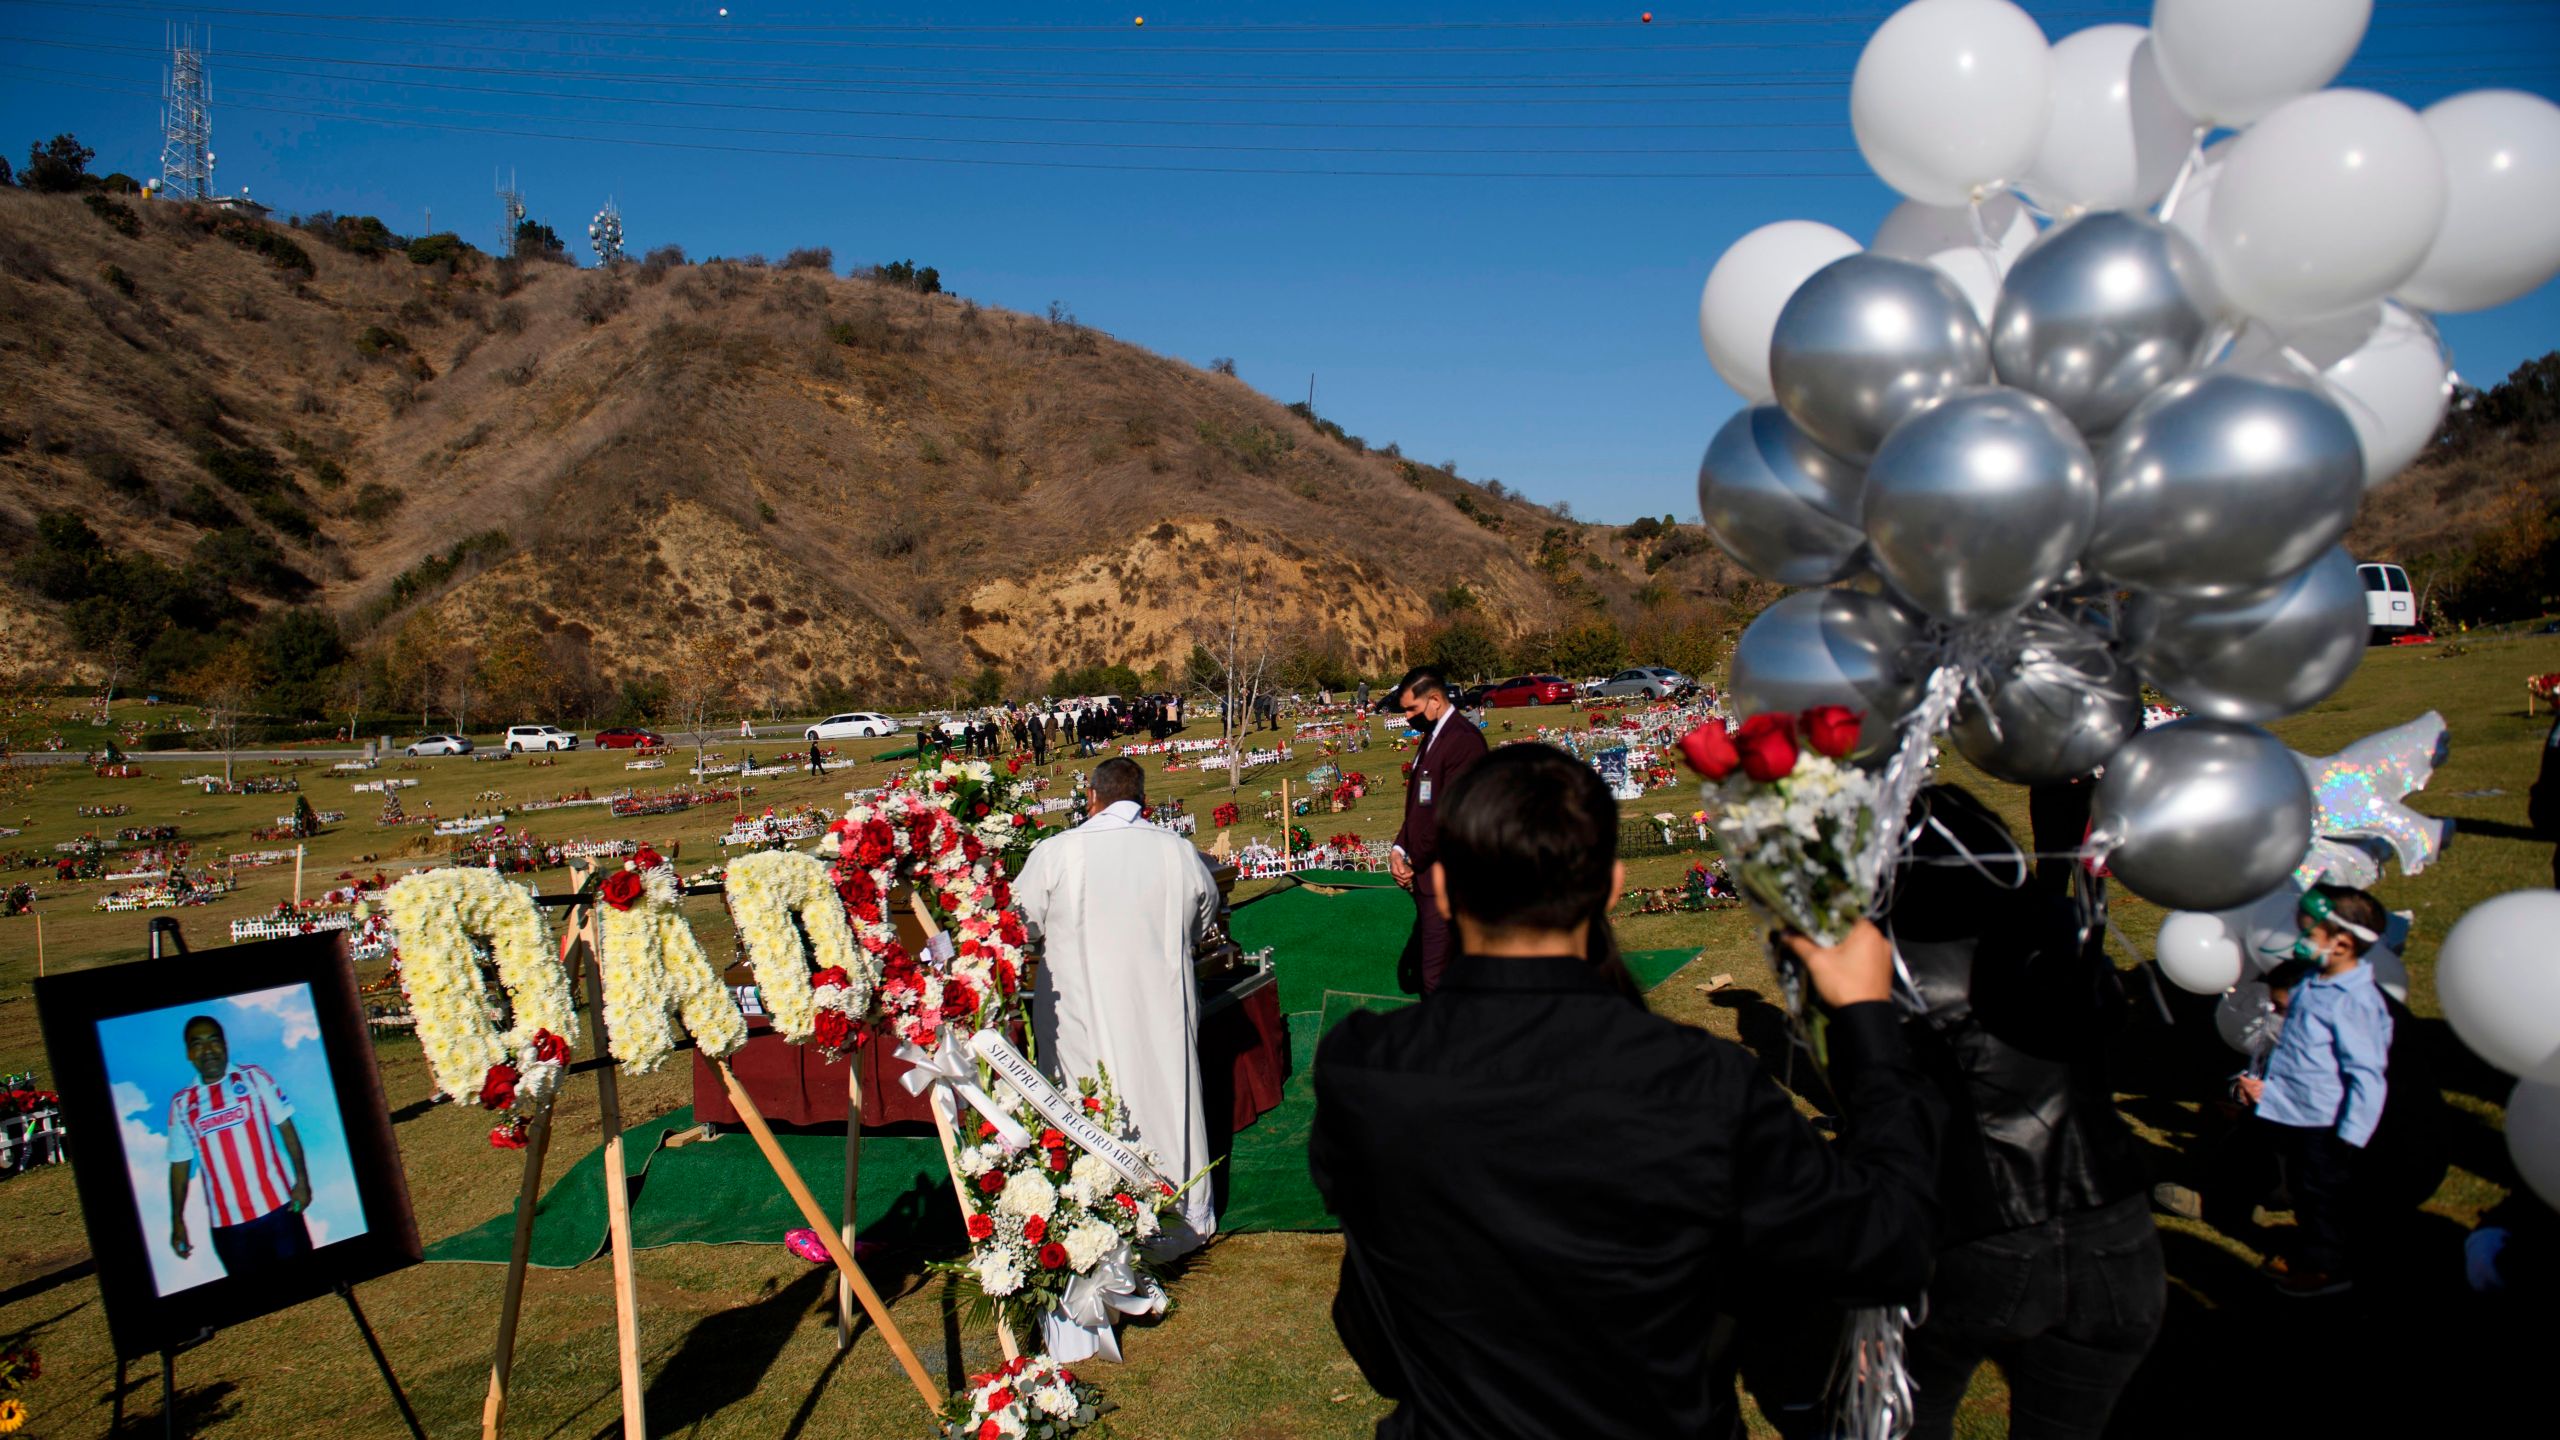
1122	905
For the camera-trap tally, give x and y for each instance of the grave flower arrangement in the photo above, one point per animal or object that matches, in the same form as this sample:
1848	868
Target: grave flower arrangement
906	836
1032	1396
1054	1227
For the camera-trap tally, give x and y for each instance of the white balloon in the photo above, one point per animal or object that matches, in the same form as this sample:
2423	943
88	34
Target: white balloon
2501	234
2198	954
2533	1137
2266	927
2498	979
1943	236
2327	204
1738	311
2116	139
2231	61
1950	98
2383	363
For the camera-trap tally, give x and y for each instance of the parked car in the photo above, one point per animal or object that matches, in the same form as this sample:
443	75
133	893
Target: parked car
1530	690
440	745
1650	682
521	738
2390	608
852	725
627	737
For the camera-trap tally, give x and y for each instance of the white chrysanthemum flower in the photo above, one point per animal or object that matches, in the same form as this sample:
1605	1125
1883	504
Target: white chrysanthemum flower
1027	1194
1147	1226
1055	1400
974	1162
1094	1173
998	1272
1088	1242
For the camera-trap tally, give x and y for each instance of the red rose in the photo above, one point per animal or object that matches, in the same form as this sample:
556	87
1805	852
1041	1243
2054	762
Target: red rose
1057	1159
991	1182
832	975
1051	1139
1013	766
1001	1399
507	1137
498	1090
1768	747
980	1227
648	859
831	1029
1127	1202
990	1431
1021	819
1093	1104
622	888
1053	1256
1035	1229
979	810
1832	729
1710	751
986	1129
550	1048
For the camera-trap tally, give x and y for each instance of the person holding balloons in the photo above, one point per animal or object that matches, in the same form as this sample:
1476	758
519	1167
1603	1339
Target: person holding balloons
2325	1084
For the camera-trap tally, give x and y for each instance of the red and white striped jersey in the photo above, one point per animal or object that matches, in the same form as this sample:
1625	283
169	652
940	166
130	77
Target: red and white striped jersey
228	1129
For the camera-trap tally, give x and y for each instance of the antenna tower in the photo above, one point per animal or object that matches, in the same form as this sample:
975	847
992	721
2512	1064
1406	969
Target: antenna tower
186	120
605	233
512	199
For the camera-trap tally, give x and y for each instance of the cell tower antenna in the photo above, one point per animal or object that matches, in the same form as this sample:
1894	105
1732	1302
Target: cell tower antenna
605	233
512	199
186	118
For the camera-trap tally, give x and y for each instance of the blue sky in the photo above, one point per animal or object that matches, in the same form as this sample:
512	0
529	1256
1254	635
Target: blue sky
1527	309
147	1063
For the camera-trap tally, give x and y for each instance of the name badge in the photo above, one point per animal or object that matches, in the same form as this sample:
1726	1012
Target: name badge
1426	791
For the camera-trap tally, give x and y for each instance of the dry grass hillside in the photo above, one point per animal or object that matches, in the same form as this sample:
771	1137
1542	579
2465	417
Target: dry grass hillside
866	488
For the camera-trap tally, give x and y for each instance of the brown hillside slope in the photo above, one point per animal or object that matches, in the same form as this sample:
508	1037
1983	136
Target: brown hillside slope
861	485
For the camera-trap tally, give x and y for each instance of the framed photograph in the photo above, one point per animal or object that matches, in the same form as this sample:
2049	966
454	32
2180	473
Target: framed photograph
228	1132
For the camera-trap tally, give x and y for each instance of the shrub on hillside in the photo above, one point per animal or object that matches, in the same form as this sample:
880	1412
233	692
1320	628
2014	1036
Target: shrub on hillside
904	274
600	297
257	237
6	177
441	248
375	502
243	559
286	514
245	469
200	506
375	341
117	216
655	265
116	470
812	257
58	166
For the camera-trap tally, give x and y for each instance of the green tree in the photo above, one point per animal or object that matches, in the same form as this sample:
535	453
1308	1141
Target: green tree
58	166
299	650
537	241
1594	647
984	688
1463	649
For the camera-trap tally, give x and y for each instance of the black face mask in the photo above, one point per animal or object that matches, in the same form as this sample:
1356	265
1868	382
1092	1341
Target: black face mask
1417	724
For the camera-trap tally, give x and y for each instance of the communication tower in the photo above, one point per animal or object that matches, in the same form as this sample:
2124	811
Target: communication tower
186	120
605	234
512	200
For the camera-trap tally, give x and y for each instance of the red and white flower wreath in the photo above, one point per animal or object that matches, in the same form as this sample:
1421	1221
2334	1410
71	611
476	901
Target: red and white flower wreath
907	836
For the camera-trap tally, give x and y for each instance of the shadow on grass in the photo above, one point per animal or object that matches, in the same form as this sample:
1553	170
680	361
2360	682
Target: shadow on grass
726	1355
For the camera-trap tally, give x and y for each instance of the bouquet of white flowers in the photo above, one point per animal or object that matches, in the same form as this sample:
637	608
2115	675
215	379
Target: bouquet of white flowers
1032	1396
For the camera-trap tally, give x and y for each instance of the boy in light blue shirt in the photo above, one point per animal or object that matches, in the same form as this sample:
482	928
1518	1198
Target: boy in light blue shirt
2324	1086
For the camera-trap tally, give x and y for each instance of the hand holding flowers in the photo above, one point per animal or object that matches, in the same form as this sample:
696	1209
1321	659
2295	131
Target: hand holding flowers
1794	818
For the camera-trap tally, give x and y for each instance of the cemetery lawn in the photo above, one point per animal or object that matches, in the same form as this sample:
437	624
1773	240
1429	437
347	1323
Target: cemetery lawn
738	1340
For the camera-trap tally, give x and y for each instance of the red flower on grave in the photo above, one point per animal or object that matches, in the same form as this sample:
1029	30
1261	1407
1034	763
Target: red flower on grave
498	1089
550	1048
980	1227
622	889
1053	1256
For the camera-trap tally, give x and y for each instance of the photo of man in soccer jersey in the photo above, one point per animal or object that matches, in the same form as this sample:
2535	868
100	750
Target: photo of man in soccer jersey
235	1131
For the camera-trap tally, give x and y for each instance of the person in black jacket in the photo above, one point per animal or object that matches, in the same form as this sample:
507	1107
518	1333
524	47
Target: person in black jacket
1552	1201
2051	1264
1451	745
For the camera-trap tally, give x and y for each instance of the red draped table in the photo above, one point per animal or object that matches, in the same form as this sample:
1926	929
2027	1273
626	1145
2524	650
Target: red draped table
1244	1062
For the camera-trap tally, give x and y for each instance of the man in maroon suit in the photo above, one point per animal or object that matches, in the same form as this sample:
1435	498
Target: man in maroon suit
1449	745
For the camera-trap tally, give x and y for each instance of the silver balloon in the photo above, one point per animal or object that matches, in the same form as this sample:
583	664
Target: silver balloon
1832	647
1780	505
1979	502
2058	704
2203	814
1868	340
2223	483
2255	657
2102	311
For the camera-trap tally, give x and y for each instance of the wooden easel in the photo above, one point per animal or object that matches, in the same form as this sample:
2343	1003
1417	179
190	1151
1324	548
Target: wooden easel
950	1151
579	951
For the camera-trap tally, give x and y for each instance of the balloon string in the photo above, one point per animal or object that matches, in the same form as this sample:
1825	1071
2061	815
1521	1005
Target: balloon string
1982	241
2186	170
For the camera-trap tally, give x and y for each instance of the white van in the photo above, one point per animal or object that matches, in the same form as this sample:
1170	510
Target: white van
2390	607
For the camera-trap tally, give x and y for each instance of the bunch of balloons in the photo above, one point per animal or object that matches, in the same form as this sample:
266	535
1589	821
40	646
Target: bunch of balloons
2124	446
2500	990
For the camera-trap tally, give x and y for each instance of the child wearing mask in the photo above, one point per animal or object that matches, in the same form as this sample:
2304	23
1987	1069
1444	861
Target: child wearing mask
2323	1091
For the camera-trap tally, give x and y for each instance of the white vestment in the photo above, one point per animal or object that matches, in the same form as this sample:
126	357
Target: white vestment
1121	903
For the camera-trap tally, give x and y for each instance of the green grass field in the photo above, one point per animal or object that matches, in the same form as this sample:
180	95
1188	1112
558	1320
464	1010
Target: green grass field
738	1340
